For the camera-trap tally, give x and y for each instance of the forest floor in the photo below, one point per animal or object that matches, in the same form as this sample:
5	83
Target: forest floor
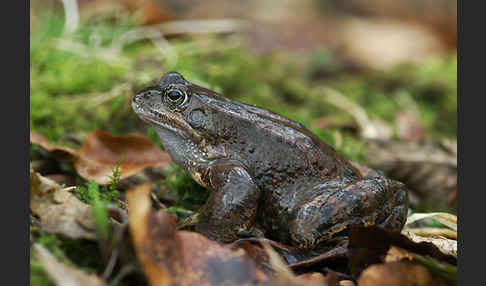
401	120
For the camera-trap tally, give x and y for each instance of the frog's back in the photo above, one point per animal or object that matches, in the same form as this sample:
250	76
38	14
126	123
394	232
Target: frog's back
277	151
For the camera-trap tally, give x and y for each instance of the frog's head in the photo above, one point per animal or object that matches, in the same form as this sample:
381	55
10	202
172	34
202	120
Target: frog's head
179	111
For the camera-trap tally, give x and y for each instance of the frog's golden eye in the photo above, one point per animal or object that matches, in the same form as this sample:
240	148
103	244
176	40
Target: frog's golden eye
175	98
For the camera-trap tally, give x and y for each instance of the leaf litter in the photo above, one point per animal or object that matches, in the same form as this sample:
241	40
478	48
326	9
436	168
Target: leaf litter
172	257
57	210
101	152
62	274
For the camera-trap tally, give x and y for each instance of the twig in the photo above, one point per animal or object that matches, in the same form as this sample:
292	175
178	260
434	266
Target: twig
150	33
202	26
111	264
368	129
71	15
157	33
180	27
127	269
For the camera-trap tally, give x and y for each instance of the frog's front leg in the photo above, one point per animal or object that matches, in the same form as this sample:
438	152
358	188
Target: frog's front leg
232	206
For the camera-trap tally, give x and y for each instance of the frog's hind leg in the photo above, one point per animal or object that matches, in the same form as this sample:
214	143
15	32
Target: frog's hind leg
327	215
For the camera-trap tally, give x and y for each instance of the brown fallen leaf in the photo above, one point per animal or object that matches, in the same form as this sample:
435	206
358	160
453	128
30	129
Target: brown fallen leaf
369	245
171	257
62	274
256	252
443	238
38	139
445	272
100	153
395	254
57	151
346	283
446	219
59	211
294	257
396	274
438	232
284	276
445	245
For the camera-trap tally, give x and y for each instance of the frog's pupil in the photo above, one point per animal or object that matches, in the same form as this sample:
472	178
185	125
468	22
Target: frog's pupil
174	95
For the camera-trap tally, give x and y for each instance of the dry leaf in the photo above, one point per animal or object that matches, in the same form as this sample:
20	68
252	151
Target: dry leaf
346	283
171	257
58	210
38	139
100	153
59	151
396	254
445	245
433	232
446	219
284	276
443	238
64	275
396	274
369	245
295	258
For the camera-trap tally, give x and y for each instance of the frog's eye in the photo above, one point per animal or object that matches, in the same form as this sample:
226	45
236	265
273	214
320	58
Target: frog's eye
175	98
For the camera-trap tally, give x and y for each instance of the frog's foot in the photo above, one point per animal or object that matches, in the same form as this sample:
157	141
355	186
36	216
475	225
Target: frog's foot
371	201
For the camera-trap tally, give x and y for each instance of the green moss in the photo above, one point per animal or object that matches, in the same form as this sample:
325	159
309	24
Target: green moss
109	193
430	85
60	80
191	195
82	254
38	276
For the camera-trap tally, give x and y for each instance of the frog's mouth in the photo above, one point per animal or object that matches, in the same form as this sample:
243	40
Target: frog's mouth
156	114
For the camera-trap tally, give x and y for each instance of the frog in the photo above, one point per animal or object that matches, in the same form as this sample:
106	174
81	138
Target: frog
267	175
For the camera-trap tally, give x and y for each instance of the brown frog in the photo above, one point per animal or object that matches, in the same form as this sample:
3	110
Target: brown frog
266	172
